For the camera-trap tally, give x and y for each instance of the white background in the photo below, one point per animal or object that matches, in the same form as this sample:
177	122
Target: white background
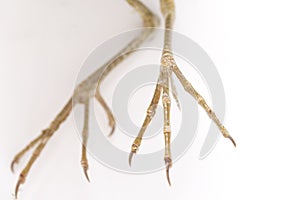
255	45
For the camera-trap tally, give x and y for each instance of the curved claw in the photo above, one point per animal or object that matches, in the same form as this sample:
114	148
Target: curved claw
112	131
168	175
227	135
86	174
168	166
12	165
232	140
17	188
85	167
130	157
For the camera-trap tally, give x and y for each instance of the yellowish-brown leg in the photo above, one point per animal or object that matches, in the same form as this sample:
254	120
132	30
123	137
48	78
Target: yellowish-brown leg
201	101
149	21
150	114
26	149
85	133
168	10
166	100
48	133
85	89
163	85
110	116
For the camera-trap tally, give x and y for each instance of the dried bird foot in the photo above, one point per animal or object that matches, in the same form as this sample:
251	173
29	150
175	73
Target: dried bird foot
168	67
82	94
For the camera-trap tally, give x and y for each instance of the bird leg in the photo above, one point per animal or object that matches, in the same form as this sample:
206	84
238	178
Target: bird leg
85	132
168	67
86	90
150	114
41	143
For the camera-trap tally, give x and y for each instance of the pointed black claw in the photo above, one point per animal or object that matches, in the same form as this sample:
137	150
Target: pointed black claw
17	189
130	157
168	162
12	166
168	175
86	175
232	140
112	131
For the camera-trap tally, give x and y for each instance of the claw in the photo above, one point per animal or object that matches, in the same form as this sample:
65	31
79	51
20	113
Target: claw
168	166
20	182
86	174
112	131
12	165
130	157
168	174
85	167
17	189
227	135
232	140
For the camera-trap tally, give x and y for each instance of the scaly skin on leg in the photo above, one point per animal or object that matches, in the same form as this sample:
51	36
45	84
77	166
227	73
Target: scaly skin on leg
86	90
48	133
164	83
27	148
201	101
168	10
150	114
167	127
111	119
150	20
169	66
85	133
89	89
